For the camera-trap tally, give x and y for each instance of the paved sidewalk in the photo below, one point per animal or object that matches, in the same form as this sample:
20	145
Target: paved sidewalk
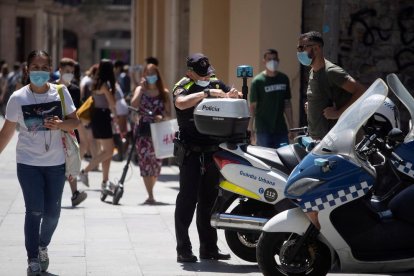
99	238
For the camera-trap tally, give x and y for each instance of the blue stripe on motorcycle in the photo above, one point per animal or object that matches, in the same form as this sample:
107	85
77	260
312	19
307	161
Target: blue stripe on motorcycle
337	198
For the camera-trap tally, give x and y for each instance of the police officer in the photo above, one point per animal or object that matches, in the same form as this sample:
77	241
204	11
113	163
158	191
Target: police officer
198	174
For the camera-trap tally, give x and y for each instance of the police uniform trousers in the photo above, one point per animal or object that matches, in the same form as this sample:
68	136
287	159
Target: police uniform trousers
198	190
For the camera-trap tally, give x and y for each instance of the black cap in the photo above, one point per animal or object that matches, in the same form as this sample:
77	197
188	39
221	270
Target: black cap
199	63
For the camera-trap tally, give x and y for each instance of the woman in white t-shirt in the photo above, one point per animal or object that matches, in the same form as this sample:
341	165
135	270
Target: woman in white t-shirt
37	109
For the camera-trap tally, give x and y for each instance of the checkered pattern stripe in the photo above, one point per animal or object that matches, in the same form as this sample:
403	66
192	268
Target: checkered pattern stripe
406	168
336	198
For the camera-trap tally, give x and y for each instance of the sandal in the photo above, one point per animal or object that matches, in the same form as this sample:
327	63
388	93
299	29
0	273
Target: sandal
149	202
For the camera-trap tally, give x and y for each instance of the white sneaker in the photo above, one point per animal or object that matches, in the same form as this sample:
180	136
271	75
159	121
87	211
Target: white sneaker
33	268
43	258
83	177
108	185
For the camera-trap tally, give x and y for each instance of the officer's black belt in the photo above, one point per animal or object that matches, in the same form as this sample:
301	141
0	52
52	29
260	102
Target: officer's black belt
197	148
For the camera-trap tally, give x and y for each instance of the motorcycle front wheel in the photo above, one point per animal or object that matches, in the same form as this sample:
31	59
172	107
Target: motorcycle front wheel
313	259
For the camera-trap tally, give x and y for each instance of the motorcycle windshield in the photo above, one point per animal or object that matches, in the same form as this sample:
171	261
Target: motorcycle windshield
341	138
405	97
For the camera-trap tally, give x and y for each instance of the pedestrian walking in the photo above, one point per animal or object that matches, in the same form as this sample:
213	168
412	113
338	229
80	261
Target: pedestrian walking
103	90
66	74
270	103
4	73
37	109
154	97
88	146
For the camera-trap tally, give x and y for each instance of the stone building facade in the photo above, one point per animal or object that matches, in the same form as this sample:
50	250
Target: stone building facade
102	31
86	30
368	38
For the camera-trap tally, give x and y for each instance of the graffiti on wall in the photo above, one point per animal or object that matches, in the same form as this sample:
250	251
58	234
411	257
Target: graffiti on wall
376	41
373	44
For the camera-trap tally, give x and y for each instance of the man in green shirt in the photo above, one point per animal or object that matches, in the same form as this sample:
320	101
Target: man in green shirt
330	90
269	102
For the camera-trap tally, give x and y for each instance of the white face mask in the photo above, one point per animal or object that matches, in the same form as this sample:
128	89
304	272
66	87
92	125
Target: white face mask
203	83
272	65
67	77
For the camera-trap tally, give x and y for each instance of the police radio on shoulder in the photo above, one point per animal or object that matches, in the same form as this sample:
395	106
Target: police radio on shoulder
207	92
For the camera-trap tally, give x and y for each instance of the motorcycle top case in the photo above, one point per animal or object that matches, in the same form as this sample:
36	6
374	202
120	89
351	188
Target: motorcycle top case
222	117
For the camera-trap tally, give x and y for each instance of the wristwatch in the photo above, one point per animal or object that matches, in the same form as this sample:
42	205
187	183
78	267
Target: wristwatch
207	92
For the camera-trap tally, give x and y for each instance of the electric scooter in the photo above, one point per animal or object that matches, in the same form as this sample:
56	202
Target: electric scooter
335	222
117	190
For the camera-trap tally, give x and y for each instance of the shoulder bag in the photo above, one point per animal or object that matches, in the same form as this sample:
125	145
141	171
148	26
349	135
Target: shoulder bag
70	145
85	110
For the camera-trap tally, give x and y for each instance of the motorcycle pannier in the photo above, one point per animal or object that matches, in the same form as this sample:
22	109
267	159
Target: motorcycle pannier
222	117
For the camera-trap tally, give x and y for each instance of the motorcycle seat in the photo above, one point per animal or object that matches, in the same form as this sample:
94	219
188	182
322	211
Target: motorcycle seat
291	155
268	156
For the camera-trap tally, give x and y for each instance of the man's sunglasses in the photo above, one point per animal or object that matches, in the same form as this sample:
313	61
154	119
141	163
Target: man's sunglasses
301	48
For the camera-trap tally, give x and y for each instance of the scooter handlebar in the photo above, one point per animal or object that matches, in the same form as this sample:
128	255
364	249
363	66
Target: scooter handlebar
140	111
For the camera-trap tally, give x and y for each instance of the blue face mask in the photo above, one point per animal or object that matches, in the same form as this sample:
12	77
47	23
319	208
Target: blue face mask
304	58
39	78
203	83
151	79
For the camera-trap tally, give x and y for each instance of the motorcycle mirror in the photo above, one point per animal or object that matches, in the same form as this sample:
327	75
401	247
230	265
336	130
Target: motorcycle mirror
321	162
310	146
396	135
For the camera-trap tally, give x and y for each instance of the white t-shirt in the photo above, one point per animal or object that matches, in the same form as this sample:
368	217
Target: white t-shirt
29	110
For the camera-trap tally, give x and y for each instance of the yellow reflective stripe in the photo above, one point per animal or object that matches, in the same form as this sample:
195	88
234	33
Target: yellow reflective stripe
237	189
178	82
187	86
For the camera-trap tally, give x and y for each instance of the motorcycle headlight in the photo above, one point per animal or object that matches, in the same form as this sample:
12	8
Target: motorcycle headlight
303	185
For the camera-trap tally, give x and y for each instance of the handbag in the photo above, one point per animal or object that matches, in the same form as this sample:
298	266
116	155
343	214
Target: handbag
163	134
70	146
85	110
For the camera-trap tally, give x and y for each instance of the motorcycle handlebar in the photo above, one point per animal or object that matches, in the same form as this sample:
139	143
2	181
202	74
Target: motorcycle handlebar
299	129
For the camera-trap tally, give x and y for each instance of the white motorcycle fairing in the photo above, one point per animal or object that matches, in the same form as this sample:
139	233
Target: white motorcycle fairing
263	185
292	221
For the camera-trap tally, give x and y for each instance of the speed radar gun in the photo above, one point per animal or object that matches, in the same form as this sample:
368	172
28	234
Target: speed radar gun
244	72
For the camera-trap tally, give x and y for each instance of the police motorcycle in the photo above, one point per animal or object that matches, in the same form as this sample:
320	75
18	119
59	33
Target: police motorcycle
252	177
335	221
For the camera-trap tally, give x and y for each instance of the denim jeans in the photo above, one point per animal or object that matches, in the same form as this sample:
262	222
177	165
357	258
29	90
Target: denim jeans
271	140
42	191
